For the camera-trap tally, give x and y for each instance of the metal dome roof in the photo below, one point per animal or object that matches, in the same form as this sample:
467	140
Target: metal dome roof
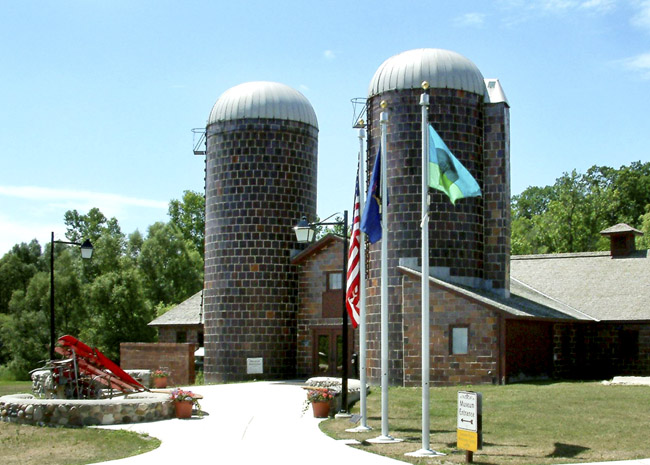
441	68
263	99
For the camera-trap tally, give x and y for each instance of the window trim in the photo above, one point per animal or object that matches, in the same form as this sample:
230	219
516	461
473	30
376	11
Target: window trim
327	280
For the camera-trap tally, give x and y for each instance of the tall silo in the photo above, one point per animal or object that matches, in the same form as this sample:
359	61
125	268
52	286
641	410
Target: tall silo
262	142
469	242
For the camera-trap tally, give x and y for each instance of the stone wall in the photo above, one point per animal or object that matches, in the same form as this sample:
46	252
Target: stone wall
134	408
178	359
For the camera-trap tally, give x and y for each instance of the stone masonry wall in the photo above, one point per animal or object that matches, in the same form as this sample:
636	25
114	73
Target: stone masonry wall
261	179
178	359
478	366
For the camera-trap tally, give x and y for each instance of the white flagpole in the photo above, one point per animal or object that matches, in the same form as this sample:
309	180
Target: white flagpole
385	437
425	451
363	381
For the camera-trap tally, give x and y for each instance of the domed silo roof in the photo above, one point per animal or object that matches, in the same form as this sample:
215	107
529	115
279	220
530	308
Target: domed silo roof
262	99
443	69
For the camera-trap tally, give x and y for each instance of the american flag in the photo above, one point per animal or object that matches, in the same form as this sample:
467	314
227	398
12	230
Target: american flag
353	282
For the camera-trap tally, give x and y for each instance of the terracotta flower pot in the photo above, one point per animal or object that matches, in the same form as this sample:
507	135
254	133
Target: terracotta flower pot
321	409
183	409
160	382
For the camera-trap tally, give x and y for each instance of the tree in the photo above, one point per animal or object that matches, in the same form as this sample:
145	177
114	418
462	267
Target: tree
89	226
170	264
16	269
119	312
188	215
568	216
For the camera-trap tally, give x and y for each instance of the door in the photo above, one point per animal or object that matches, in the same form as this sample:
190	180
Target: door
327	355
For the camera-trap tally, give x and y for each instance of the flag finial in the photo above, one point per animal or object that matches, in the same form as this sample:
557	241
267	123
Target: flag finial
425	85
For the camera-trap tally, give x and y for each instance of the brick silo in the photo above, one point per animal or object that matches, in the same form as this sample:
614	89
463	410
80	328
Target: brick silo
469	242
261	179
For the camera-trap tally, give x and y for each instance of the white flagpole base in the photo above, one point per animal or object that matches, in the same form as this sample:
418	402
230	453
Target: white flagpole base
343	415
425	453
359	429
385	440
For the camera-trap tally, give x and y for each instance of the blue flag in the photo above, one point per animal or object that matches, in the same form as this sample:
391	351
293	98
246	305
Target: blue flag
446	173
371	218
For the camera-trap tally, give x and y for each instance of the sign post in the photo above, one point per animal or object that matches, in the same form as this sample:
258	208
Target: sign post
470	423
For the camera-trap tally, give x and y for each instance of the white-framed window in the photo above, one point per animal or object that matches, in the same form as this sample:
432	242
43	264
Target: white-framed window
334	281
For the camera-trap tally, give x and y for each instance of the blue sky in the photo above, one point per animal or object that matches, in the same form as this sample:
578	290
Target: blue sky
98	98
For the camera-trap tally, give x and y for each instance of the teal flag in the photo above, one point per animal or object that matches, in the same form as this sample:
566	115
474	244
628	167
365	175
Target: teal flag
446	173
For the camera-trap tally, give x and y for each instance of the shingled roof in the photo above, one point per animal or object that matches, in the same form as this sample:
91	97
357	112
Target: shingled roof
188	312
592	284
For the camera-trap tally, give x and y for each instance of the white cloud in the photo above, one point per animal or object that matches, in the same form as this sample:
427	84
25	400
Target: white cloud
600	6
47	194
642	17
470	19
15	231
30	212
329	54
638	64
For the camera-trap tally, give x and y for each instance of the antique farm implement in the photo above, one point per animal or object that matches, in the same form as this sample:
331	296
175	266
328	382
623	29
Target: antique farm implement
86	373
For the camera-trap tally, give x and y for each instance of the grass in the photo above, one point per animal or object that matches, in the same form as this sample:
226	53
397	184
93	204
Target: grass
523	424
23	444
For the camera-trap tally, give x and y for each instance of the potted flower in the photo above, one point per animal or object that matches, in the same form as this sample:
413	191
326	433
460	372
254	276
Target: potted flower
184	401
320	399
160	378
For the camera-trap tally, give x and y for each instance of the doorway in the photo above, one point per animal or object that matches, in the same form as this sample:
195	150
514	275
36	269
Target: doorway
327	355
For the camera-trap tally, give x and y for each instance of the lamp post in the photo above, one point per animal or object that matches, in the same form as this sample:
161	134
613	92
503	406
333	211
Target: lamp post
305	233
86	253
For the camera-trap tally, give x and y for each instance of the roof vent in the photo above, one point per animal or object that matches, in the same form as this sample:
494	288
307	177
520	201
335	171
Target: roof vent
622	239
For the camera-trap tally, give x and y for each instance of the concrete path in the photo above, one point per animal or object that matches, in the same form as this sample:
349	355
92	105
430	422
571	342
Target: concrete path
258	422
247	423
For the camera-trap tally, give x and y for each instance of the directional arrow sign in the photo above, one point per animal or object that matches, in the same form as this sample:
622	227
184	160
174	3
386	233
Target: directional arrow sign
470	421
468	411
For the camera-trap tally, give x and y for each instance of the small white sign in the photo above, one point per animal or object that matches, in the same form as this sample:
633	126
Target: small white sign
255	366
468	411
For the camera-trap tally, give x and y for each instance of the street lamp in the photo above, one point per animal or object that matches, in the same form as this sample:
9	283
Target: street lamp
86	253
305	233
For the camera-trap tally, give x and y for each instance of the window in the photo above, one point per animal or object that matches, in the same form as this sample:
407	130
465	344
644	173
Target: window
181	336
334	281
458	342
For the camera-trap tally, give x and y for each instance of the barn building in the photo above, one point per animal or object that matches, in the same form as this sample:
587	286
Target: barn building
271	309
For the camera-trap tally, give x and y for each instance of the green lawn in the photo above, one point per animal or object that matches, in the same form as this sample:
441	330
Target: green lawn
550	423
24	444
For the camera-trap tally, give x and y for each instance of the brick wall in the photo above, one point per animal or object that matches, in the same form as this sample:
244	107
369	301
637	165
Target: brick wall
478	366
177	358
469	240
261	179
311	289
169	333
601	350
496	196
